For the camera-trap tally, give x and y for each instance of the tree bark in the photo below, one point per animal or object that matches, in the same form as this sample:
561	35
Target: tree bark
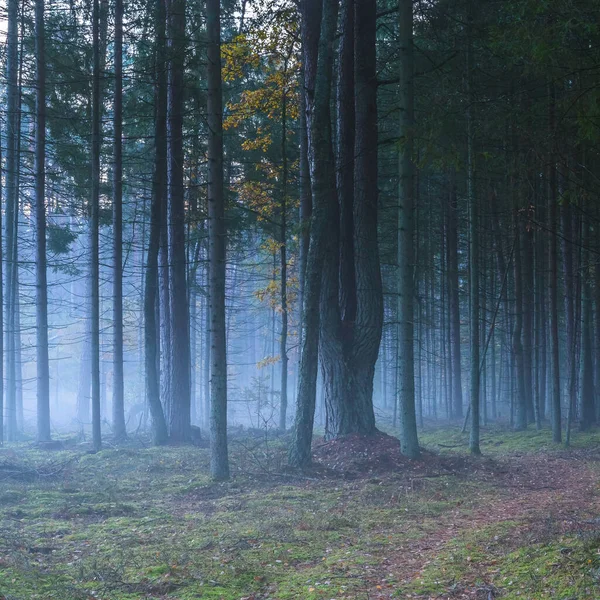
94	233
118	400
406	257
553	200
179	418
283	403
219	461
43	369
151	291
12	166
319	19
473	263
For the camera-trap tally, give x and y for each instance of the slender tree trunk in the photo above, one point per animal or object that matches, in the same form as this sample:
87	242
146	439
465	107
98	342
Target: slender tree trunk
305	210
586	404
521	413
43	373
94	233
12	162
179	419
454	301
118	401
319	19
553	200
151	292
540	315
219	461
406	257
473	265
283	264
1	315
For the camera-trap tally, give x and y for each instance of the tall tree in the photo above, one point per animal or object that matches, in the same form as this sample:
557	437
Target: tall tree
94	231
554	339
406	276
219	462
473	254
151	299
454	301
319	20
43	369
178	298
12	166
118	403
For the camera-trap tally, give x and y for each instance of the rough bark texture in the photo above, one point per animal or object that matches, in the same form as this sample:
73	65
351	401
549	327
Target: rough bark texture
352	309
219	461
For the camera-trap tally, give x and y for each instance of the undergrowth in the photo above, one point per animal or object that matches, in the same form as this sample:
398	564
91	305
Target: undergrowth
132	523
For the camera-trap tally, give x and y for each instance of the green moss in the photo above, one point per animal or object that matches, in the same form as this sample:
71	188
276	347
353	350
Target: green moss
149	523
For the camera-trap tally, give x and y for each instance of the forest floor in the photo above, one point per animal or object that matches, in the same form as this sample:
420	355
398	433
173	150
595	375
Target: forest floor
137	522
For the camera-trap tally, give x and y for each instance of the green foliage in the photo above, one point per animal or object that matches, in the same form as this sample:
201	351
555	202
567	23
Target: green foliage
60	238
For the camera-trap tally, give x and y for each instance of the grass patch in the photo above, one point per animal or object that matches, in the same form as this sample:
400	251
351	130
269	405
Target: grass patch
127	524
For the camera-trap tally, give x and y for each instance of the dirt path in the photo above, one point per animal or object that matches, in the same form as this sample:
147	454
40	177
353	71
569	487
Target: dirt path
546	494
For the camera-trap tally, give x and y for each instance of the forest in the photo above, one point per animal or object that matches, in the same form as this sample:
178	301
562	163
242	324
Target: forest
299	299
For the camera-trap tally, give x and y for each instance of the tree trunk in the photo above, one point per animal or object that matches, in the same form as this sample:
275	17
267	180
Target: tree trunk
1	321
43	373
219	461
283	402
118	401
553	200
454	301
406	257
94	233
586	404
151	297
517	340
12	165
473	265
179	419
319	19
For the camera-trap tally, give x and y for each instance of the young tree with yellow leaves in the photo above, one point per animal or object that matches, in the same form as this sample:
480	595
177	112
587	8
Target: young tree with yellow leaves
273	103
